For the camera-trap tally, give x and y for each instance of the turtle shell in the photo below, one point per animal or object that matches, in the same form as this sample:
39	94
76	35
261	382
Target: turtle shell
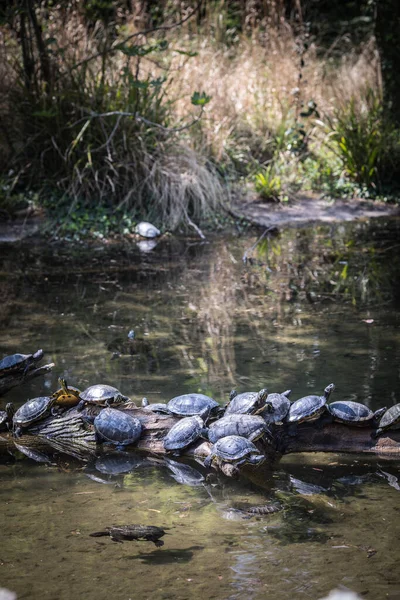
278	407
390	419
246	403
251	427
189	405
16	362
33	410
67	396
350	412
116	427
101	394
147	230
184	433
157	407
310	407
233	448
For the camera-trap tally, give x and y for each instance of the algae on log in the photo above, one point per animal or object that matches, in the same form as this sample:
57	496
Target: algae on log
11	380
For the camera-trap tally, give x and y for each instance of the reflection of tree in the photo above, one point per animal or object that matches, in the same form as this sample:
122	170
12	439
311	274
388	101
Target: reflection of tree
293	318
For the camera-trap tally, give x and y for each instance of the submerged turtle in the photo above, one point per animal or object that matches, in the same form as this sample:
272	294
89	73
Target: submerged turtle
246	403
184	433
19	362
276	407
67	396
251	427
353	413
309	408
32	411
120	533
147	230
389	420
6	417
189	405
157	407
116	427
102	395
235	449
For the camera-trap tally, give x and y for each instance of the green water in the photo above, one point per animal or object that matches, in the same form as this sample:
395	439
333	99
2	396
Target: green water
313	306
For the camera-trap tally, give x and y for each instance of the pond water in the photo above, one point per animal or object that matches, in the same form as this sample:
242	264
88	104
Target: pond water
309	307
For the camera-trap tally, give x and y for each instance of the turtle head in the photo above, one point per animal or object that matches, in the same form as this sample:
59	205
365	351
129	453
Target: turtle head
232	395
145	402
286	393
328	390
10	410
262	396
38	355
120	399
63	384
256	459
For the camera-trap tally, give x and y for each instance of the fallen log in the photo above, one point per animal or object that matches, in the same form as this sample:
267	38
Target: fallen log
11	380
70	434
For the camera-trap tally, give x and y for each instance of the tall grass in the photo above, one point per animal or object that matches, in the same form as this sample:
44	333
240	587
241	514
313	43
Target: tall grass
119	129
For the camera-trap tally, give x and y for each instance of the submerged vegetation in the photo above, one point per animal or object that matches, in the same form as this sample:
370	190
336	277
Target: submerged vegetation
110	115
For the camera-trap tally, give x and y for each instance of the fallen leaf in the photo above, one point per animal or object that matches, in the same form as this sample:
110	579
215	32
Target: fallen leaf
154	510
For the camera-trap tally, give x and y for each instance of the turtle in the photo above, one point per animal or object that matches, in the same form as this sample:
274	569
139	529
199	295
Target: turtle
6	417
102	395
115	427
309	408
389	420
189	405
251	427
276	407
15	363
119	533
157	407
67	396
183	433
353	413
32	411
117	463
235	449
147	230
246	403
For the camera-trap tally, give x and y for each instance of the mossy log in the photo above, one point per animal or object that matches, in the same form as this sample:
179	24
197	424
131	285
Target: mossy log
71	435
11	380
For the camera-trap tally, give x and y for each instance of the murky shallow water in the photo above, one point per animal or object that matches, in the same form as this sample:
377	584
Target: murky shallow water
314	306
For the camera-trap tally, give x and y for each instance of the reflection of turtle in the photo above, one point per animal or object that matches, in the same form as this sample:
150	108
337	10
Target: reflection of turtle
353	413
115	427
67	396
19	362
309	408
189	405
120	533
32	411
390	420
235	449
246	403
6	417
251	427
183	433
102	395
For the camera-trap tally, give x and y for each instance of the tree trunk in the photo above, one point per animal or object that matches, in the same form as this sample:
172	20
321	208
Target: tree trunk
387	31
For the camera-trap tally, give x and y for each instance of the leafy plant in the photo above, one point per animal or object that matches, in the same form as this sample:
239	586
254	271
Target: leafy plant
268	184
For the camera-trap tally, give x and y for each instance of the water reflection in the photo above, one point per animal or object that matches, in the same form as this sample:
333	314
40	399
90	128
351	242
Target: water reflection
315	306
